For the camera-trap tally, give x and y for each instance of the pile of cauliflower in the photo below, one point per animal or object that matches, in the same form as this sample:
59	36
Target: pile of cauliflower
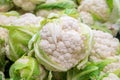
59	40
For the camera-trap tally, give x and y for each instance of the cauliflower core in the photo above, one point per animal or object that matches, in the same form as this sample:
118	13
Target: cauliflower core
105	46
62	41
97	7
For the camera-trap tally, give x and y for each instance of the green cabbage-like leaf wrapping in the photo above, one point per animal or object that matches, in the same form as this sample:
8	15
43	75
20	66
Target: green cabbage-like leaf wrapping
86	31
115	15
25	68
19	37
92	71
57	5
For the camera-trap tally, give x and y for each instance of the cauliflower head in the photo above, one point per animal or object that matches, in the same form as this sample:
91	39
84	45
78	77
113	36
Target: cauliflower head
98	8
62	42
27	5
105	46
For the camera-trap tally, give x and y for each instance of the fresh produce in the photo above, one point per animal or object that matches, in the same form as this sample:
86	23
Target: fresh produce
59	39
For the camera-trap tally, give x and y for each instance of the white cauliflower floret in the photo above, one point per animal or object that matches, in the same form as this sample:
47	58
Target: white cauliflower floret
27	19
27	5
97	7
62	41
45	13
6	19
111	76
105	46
86	18
112	67
3	34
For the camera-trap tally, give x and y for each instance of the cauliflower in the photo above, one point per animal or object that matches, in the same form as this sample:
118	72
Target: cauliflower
27	19
105	46
86	18
3	45
27	5
21	28
63	42
111	76
98	8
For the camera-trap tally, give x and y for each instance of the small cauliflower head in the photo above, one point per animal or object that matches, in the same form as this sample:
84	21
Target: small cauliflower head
27	5
61	44
111	76
98	8
105	46
3	45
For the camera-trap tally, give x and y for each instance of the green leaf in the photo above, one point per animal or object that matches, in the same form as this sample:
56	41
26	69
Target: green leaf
110	4
101	27
72	12
57	5
25	68
19	37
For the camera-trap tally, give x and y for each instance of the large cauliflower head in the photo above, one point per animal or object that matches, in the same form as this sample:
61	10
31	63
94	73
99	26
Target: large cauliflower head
105	46
63	42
